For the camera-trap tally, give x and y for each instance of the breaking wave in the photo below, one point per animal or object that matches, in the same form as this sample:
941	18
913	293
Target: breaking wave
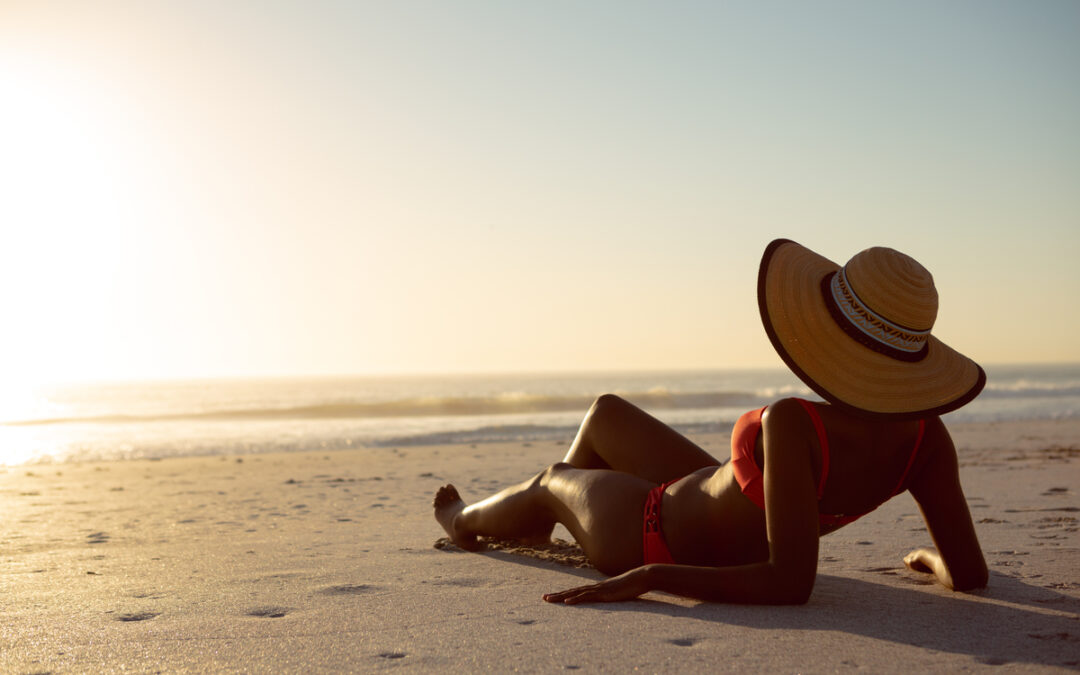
451	406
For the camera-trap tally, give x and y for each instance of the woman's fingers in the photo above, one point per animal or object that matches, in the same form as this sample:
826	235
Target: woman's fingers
584	596
561	596
916	561
611	590
573	595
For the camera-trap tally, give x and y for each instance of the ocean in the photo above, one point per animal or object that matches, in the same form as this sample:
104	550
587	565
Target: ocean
146	420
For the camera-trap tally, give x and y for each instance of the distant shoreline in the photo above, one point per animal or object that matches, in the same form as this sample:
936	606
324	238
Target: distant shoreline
241	417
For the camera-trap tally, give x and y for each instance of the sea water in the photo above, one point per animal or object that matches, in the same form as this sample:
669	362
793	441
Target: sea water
232	417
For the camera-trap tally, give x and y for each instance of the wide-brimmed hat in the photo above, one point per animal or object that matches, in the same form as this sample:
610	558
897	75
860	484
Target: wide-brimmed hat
859	335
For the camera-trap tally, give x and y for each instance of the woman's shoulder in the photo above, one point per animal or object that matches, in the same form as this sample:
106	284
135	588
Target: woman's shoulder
786	407
790	416
843	427
936	446
790	424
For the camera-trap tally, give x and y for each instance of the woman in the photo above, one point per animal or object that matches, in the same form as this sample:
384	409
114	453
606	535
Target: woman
747	530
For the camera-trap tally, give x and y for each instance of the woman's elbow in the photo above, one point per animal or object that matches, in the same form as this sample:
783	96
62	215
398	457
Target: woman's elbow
971	581
795	596
792	589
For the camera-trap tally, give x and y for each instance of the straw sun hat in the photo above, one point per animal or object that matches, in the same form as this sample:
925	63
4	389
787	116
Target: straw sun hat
859	336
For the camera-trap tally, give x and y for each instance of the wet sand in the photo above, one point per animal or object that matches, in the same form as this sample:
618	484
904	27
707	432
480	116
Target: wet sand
327	562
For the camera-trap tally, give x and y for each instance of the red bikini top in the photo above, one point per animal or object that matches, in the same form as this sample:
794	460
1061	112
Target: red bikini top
749	476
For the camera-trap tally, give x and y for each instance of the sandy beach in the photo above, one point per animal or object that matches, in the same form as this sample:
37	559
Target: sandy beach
326	562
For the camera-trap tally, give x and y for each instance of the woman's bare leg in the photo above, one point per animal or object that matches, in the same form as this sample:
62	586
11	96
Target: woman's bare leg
602	509
618	435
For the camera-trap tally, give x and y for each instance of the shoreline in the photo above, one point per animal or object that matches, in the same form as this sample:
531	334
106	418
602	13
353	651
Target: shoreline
100	422
325	561
1023	434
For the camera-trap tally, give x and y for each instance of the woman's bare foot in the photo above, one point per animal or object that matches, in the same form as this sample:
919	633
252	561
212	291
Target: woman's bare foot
448	504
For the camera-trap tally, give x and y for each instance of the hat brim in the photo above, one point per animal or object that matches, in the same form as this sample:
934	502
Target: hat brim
840	369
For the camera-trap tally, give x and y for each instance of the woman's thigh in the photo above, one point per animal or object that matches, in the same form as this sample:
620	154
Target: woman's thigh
603	510
618	435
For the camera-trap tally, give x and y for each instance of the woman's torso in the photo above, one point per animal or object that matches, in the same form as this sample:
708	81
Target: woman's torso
707	520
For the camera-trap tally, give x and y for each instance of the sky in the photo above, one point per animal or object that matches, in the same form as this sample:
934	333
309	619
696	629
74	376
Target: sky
259	188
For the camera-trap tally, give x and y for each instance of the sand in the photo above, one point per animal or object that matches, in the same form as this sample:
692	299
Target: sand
326	563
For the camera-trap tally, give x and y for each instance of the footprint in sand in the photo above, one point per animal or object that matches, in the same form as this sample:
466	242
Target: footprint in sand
683	642
136	616
97	538
1063	637
1054	521
348	589
269	612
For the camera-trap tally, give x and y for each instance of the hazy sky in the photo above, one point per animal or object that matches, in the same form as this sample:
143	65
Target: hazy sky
263	188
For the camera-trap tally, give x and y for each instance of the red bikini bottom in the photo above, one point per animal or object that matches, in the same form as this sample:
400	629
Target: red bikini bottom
654	546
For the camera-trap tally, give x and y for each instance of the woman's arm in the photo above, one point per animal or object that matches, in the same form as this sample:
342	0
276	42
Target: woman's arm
791	521
958	562
760	584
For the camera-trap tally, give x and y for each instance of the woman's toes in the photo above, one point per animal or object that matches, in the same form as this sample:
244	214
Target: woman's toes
447	494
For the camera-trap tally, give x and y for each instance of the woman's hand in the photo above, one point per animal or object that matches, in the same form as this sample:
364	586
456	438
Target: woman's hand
626	586
922	560
929	561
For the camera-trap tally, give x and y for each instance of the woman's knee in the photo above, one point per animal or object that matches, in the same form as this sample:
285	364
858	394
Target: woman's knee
609	408
609	402
544	478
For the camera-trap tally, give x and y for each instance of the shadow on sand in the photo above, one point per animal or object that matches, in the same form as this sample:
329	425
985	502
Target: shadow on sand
994	625
1008	622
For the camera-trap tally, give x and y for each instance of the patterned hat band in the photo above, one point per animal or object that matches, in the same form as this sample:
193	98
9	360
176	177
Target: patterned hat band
868	327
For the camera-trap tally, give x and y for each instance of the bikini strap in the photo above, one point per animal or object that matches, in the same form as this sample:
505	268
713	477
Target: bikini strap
822	439
911	460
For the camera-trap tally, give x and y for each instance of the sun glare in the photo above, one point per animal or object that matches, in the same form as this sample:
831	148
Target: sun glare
70	194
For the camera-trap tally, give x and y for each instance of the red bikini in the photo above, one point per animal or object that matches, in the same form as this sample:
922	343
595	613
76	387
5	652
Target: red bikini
654	546
751	481
749	476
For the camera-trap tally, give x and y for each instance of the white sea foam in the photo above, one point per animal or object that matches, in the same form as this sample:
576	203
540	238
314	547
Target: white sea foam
165	419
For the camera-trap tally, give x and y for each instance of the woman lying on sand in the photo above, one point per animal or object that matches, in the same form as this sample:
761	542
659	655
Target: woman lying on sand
747	530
